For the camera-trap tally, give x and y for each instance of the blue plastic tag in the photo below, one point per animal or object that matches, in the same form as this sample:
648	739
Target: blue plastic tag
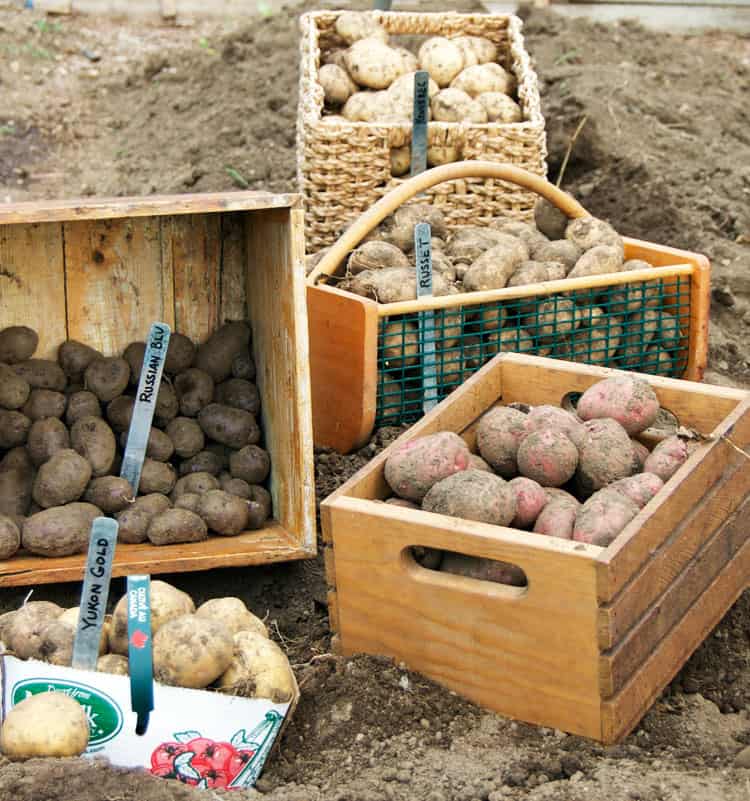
419	122
423	253
140	653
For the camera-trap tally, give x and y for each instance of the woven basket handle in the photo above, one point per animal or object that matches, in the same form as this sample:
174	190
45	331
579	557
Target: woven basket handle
413	186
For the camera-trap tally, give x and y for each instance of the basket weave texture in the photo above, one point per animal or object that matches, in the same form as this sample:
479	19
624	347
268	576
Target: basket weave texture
343	168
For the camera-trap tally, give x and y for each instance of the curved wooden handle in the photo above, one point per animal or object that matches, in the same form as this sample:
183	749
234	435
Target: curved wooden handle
413	186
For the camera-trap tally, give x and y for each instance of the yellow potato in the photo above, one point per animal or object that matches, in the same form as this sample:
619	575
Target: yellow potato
352	26
442	154
259	669
49	724
400	160
453	105
233	613
373	64
484	78
499	107
338	87
442	58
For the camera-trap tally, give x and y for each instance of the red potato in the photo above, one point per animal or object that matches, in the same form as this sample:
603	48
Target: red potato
606	455
604	515
545	416
477	567
548	457
477	463
530	500
640	454
557	518
473	495
499	434
667	457
640	488
555	493
627	399
414	467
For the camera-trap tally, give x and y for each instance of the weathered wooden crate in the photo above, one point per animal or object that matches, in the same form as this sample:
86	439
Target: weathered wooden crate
102	271
597	633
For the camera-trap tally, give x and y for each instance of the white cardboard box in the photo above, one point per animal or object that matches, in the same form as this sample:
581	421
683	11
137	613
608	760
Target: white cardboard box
203	738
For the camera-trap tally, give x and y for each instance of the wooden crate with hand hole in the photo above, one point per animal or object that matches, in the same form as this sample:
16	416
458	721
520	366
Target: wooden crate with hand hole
101	271
597	633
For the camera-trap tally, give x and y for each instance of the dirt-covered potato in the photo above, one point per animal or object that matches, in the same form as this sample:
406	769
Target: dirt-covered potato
392	284
10	537
186	435
157	477
61	479
159	446
167	603
401	94
554	317
74	357
530	499
59	530
535	272
194	482
56	643
191	651
195	389
95	441
113	663
641	329
43	403
205	461
640	488
547	456
229	426
482	78
499	433
548	416
70	618
604	515
240	394
625	398
375	255
352	26
176	525
562	251
629	298
550	220
133	355
235	486
23	633
499	107
15	428
82	404
658	361
482	569
259	507
107	377
399	227
110	493
480	47
400	344
167	405
17	344
120	412
14	390
49	724
45	438
605	455
133	521
368	107
372	63
180	354
442	59
590	232
258	669
223	513
41	374
190	501
494	267
233	613
453	105
336	83
400	160
667	457
442	154
599	260
215	356
16	482
250	463
557	518
472	495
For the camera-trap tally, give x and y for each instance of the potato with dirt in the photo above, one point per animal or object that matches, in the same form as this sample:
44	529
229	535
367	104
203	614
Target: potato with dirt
198	483
640	488
562	251
336	83
628	399
56	645
500	107
23	635
93	439
158	447
391	284
16	483
43	403
157	477
223	513
205	461
120	412
216	354
530	499
401	94
603	516
41	374
82	404
550	220
176	525
113	663
258	669
14	390
554	317
14	428
548	416
453	105
259	506
557	518
48	724
229	426
441	58
482	569
239	394
413	467
472	495
589	232
600	260
604	456
167	405
10	537
110	493
59	530
61	479
167	603
547	456
483	78
74	357
191	651
107	377
499	433
494	267
180	354
536	272
233	613
352	26
250	463
45	438
375	255
667	457
186	435
17	344
134	519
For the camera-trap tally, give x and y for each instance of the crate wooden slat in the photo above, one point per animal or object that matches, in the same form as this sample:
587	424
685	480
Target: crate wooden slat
103	271
598	632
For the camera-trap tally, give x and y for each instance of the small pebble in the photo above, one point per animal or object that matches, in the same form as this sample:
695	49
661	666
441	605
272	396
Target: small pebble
424	723
742	760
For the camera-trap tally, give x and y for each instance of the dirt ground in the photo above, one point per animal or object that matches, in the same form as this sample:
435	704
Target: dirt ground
95	107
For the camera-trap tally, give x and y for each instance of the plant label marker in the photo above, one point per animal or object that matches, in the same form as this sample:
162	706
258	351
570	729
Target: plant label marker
145	404
423	251
140	654
382	5
95	592
419	122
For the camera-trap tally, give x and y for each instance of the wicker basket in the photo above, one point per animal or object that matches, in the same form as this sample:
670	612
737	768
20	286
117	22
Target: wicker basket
344	168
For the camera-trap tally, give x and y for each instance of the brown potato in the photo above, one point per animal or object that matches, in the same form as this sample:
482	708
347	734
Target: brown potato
250	463
560	250
233	427
494	267
113	663
194	482
14	428
15	491
549	219
120	412
16	458
235	486
204	461
95	441
82	404
215	356
239	394
60	530
195	389
107	377
56	643
259	506
223	513
133	355
599	260
61	479
23	634
157	477
133	521
46	437
243	366
167	405
14	390
176	525
180	354
74	357
110	493
41	374
221	452
190	501
10	537
473	495
44	403
590	232
159	446
17	344
186	436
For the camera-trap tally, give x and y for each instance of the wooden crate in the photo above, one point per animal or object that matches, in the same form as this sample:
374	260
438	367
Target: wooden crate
597	633
102	271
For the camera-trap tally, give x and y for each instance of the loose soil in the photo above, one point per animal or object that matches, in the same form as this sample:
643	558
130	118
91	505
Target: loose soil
94	107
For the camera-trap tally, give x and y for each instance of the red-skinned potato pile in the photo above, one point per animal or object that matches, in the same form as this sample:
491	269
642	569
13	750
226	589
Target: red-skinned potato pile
582	476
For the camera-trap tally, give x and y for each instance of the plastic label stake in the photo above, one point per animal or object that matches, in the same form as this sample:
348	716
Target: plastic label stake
145	404
382	5
419	122
423	251
140	655
95	592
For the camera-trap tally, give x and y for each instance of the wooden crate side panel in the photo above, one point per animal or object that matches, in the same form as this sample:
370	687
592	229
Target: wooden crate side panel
700	522
525	652
32	282
621	714
276	306
234	261
619	664
115	281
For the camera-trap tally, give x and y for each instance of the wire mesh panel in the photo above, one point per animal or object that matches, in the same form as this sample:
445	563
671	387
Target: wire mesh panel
641	326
